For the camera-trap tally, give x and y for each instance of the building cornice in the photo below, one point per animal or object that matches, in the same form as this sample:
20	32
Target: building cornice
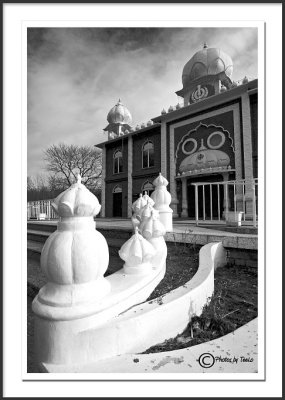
205	104
216	100
135	132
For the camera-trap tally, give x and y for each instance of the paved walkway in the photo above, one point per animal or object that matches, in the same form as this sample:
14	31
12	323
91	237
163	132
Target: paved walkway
184	231
178	226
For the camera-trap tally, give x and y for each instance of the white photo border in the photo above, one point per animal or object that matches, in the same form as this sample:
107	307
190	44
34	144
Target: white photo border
16	19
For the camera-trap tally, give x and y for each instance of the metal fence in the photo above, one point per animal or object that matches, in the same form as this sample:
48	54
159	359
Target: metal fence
229	201
41	210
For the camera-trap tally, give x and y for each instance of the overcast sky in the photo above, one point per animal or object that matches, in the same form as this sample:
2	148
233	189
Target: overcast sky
76	75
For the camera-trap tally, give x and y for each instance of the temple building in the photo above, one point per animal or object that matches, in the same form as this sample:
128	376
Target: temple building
210	137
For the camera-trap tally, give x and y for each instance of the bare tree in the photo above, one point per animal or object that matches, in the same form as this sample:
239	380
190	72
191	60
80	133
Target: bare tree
30	183
37	188
65	161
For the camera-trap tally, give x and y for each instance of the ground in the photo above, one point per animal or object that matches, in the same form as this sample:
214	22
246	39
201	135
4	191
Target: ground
233	304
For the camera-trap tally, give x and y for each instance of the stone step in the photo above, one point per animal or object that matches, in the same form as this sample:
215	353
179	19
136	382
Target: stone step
34	247
35	236
42	227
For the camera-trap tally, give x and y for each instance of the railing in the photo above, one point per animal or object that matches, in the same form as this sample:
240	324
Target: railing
41	209
226	201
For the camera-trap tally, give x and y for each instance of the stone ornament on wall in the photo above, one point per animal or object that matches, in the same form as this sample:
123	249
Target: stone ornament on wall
219	137
200	93
186	142
75	256
117	189
210	156
151	226
137	253
204	158
162	200
188	135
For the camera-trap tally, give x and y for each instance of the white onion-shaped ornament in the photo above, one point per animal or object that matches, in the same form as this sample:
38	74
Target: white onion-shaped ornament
148	199
78	201
75	256
158	228
135	221
137	253
161	196
146	211
151	227
139	204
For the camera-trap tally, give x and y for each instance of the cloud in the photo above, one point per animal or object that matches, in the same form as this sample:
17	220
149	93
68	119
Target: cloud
75	75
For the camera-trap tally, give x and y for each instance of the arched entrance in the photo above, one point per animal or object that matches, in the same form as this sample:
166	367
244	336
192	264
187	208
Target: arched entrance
148	188
210	197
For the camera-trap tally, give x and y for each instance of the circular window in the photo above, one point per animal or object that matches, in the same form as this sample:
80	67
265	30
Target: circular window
189	146
216	140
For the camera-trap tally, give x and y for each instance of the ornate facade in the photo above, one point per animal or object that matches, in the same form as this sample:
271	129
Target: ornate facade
211	137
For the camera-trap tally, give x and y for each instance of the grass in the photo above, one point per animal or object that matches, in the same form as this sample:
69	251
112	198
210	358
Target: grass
181	265
233	304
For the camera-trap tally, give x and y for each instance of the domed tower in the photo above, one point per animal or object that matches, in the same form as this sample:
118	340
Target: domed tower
120	119
204	74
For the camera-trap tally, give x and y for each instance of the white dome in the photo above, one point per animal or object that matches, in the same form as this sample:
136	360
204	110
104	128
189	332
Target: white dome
119	114
208	61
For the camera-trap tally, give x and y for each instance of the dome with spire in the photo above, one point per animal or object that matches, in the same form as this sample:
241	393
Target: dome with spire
208	61
120	119
119	114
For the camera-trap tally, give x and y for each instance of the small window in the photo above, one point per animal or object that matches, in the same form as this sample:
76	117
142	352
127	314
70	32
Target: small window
148	188
148	155
118	162
117	189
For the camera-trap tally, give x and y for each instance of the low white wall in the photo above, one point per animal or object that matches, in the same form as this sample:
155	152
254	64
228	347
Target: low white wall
152	322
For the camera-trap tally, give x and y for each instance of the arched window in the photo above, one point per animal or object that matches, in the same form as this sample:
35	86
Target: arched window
118	162
147	187
117	189
148	154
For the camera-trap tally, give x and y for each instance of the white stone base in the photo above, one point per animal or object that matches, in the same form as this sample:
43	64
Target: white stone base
107	333
240	344
142	269
165	218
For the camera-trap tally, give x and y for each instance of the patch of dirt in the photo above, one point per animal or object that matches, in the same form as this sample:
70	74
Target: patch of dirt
181	265
233	304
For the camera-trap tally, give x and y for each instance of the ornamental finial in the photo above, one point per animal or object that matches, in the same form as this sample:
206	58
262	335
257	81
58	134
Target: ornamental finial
78	178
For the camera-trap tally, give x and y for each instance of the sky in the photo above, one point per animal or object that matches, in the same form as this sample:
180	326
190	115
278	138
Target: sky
76	75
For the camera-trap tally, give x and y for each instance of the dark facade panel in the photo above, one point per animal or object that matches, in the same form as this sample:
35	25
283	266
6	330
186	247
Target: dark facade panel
138	142
122	145
139	182
199	131
254	129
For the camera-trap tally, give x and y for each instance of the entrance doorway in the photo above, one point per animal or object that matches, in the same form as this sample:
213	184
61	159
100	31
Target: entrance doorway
217	197
117	204
117	201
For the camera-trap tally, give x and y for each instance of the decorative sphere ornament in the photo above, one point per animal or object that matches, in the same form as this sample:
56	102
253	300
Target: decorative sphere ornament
75	256
137	253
